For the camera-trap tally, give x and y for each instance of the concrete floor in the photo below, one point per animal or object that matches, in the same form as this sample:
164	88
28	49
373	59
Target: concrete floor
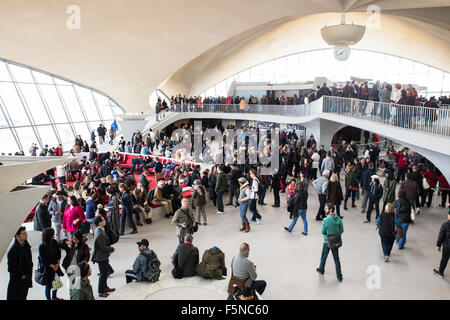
287	261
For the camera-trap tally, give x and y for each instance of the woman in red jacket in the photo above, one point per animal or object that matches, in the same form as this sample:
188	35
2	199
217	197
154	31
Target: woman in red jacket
403	162
445	189
73	216
432	180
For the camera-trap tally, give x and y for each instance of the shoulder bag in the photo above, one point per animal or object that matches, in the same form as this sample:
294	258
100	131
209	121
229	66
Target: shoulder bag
235	281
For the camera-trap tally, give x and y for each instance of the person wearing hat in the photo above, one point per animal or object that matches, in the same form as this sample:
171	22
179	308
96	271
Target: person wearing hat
375	194
244	202
83	289
140	265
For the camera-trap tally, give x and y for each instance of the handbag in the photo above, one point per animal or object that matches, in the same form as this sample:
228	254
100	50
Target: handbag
195	228
413	213
57	283
334	241
425	183
235	281
85	226
39	273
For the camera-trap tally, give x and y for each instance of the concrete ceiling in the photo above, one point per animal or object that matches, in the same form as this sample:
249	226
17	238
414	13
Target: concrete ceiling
126	49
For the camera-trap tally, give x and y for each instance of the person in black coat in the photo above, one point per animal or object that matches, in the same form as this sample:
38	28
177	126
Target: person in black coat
49	257
276	187
76	247
300	204
42	217
186	257
20	267
235	174
386	229
375	194
444	242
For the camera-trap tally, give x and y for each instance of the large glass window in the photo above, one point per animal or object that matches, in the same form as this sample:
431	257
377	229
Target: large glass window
306	66
36	102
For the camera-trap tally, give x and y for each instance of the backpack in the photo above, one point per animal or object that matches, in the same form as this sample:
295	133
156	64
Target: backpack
153	266
260	188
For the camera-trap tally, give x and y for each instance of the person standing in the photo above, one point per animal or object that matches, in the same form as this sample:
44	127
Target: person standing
403	216
73	215
235	174
332	225
375	194
386	229
365	184
244	201
443	242
277	185
127	210
42	218
49	257
221	186
321	186
335	195
199	201
102	251
184	220
254	197
56	208
432	180
389	187
300	207
20	267
351	185
114	210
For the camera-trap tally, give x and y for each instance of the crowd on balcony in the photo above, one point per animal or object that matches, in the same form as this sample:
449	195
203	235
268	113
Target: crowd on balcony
405	94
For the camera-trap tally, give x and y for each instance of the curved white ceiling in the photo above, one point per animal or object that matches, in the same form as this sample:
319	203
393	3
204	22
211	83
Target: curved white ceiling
126	49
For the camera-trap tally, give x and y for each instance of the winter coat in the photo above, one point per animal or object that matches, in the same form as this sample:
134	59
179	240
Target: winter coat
375	191
386	224
20	263
331	225
42	218
83	292
212	264
335	195
221	182
179	218
389	195
444	236
403	210
70	215
82	251
300	202
197	199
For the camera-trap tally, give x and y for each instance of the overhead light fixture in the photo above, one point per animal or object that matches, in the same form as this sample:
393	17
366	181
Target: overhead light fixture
342	36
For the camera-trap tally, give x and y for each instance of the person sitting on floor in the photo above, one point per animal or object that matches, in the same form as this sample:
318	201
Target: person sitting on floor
185	259
212	265
140	270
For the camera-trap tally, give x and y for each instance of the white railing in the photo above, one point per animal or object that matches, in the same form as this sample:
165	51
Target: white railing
417	118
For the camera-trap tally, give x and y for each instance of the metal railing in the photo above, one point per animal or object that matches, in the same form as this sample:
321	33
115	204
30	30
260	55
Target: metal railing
429	120
310	109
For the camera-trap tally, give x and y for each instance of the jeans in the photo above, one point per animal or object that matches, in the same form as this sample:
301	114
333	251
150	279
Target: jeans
104	271
58	228
48	288
127	213
338	210
220	201
301	213
130	276
323	259
243	210
386	244
180	240
349	192
364	200
401	242
253	210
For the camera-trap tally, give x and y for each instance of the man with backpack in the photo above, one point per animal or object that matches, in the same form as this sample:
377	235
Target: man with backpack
146	265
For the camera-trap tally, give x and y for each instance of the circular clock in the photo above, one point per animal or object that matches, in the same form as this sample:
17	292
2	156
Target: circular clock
341	53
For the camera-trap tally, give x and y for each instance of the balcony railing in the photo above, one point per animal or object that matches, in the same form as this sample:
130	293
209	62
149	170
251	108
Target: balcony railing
310	109
429	120
418	118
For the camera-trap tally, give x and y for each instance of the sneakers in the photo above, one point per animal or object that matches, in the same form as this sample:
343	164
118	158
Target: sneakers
318	270
386	258
134	232
436	272
319	219
258	221
219	212
287	229
366	221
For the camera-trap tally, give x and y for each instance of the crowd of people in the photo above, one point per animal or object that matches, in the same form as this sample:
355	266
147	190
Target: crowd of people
379	91
105	195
